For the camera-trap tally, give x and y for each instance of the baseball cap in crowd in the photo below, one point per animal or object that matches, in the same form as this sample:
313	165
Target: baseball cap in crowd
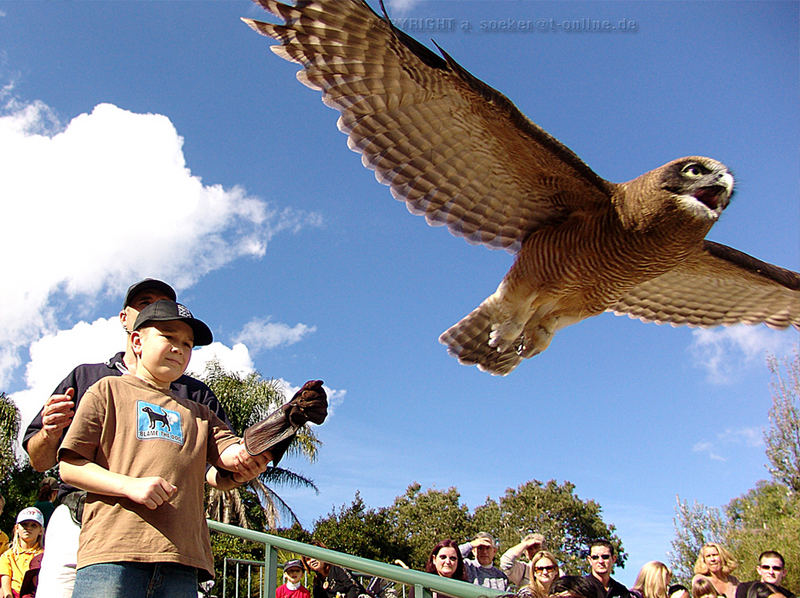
31	514
49	483
167	311
293	564
146	284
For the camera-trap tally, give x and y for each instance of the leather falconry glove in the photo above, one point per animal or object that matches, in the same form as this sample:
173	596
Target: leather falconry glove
310	403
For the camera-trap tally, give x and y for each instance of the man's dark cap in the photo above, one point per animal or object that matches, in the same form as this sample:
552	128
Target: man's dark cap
168	311
148	283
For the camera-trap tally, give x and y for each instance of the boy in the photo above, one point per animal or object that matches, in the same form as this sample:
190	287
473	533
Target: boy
293	581
140	451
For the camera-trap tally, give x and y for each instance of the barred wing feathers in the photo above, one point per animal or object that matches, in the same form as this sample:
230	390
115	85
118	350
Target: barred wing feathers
719	286
448	145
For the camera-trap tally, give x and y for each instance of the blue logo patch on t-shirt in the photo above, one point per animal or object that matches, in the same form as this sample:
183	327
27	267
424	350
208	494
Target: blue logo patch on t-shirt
157	422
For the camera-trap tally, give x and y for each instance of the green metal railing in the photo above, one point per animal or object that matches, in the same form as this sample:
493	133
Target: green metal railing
422	583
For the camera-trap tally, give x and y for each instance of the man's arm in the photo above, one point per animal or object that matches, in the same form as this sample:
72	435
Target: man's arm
55	416
80	472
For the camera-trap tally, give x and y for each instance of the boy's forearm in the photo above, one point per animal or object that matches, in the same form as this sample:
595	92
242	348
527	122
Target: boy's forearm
151	491
86	475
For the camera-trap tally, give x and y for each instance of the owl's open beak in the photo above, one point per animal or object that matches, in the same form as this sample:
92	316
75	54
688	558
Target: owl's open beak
713	197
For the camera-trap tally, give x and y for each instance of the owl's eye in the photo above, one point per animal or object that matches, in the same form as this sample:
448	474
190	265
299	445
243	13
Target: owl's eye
694	170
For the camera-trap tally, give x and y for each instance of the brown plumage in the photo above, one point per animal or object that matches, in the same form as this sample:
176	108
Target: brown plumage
461	154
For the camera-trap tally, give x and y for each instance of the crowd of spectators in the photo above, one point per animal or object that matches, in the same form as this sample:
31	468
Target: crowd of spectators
540	576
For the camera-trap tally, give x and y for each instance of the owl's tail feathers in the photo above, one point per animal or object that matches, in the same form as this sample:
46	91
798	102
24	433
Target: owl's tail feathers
468	341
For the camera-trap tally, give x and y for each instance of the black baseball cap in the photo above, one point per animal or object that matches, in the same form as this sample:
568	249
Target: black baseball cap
148	283
167	311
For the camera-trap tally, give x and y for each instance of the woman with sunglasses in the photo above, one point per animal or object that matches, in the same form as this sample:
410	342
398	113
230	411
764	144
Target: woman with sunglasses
542	571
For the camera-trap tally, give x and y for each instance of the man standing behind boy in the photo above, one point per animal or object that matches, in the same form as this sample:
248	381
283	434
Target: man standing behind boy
140	451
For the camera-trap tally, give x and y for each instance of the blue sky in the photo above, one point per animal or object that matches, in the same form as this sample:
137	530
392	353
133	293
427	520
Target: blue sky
164	139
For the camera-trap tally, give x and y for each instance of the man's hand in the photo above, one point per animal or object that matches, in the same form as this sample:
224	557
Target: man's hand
151	492
57	413
533	543
482	541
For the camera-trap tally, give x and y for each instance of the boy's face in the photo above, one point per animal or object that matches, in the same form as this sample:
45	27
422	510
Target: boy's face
163	349
295	574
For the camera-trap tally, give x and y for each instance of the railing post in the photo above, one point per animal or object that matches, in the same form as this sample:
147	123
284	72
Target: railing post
270	571
224	576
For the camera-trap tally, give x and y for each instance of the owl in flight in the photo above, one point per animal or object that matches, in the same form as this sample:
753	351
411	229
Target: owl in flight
461	154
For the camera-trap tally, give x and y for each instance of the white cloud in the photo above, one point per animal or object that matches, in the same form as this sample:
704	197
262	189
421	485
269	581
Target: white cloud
260	333
723	351
403	6
751	437
107	199
708	448
55	355
234	359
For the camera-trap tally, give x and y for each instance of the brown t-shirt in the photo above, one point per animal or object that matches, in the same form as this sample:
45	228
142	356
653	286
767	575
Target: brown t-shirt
127	426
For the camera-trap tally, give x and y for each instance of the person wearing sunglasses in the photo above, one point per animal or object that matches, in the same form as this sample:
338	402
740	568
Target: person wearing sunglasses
602	557
771	569
542	570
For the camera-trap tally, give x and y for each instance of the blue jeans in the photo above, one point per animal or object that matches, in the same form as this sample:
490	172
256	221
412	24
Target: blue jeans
136	580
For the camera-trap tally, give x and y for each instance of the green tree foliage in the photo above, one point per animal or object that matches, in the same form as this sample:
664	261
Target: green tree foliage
247	400
9	430
768	516
567	522
765	518
355	529
19	482
421	519
783	436
695	525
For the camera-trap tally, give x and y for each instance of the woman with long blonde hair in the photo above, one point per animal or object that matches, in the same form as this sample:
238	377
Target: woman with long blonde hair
652	581
716	564
542	570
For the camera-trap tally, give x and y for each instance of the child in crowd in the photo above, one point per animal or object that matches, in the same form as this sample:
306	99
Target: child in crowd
703	588
141	452
293	581
25	545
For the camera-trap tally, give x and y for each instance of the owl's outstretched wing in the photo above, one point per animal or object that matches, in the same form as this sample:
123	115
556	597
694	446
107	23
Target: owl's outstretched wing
448	145
719	285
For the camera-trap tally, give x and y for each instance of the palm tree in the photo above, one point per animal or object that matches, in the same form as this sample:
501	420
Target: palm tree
248	400
9	428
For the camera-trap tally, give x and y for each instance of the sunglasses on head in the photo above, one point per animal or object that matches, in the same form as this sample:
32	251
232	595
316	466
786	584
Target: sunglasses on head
544	568
597	557
771	567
